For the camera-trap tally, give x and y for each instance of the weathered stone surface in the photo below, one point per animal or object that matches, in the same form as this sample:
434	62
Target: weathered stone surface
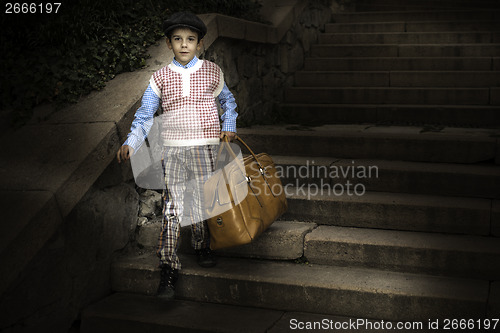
128	313
415	16
283	61
388	95
229	62
356	142
344	291
108	217
147	234
495	218
64	166
396	211
247	65
296	58
453	255
73	268
310	37
283	240
150	204
496	64
256	32
42	299
476	181
231	27
494	303
268	83
17	227
115	174
497	157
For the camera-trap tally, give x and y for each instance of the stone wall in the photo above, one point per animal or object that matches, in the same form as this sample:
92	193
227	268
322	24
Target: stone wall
258	74
73	269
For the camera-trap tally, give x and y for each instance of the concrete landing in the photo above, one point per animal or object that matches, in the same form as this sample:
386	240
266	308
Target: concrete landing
137	313
130	313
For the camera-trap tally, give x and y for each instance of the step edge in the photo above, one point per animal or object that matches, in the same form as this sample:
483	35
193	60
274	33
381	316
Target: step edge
470	244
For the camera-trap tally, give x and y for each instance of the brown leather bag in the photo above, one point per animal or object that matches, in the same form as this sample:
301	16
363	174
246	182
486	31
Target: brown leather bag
243	200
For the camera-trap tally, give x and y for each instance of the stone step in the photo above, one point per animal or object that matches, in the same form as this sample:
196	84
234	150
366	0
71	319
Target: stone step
366	5
397	78
389	95
408	8
405	50
425	26
351	208
450	255
377	210
283	240
460	180
373	142
403	64
285	286
132	313
410	38
418	16
452	3
393	211
453	115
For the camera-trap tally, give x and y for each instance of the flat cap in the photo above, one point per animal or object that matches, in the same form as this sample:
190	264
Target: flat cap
185	20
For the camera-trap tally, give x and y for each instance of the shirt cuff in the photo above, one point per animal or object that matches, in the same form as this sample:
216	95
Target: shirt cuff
133	142
229	125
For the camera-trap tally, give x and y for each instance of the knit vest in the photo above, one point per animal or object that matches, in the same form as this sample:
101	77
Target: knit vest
190	116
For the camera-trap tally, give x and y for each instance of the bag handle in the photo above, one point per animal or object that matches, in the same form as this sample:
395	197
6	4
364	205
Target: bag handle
225	142
250	150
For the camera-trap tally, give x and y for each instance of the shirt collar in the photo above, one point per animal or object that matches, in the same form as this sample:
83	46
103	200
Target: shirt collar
188	65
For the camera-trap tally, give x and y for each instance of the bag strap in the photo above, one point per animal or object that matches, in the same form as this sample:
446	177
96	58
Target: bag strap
225	142
251	152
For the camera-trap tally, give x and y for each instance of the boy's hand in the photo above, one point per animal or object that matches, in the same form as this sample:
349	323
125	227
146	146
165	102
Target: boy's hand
124	153
230	135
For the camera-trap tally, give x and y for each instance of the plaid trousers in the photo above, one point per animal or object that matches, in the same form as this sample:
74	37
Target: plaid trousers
185	169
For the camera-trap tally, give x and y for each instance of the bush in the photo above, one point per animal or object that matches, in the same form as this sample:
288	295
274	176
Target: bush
60	57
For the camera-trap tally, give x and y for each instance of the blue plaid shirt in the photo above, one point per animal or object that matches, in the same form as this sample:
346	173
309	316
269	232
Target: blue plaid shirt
151	102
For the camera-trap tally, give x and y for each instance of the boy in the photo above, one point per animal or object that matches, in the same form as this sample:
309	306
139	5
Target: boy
186	89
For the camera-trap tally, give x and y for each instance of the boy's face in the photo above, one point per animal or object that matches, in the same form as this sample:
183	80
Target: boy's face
184	43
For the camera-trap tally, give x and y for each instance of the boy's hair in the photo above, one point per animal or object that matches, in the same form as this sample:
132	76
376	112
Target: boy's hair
184	20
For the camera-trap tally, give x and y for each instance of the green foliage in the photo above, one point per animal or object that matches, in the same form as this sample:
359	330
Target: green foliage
60	57
245	9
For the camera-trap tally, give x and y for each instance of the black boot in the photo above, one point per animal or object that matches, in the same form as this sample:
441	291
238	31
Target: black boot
168	278
206	258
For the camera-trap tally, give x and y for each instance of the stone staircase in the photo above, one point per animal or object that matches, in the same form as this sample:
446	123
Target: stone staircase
390	164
